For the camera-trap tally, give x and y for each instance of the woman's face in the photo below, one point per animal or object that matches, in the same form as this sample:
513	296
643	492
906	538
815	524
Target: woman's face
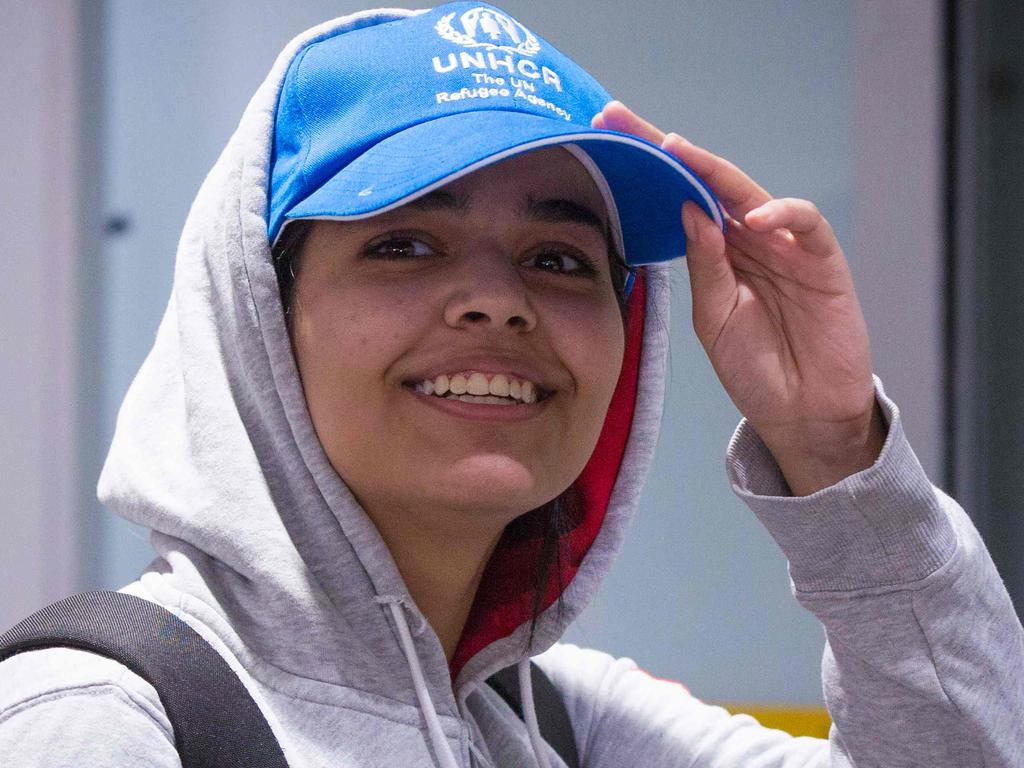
499	283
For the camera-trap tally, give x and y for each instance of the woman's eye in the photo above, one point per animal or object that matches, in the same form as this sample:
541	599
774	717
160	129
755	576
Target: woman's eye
399	248
561	261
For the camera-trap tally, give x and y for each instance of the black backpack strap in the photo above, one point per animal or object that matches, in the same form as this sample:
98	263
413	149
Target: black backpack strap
216	722
552	717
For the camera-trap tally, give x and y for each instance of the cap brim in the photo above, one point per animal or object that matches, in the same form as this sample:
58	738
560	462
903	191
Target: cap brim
649	185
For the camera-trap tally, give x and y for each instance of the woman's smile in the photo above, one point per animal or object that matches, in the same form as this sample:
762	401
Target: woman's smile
485	387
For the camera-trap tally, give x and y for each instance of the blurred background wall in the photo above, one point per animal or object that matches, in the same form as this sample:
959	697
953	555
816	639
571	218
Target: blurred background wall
42	506
121	106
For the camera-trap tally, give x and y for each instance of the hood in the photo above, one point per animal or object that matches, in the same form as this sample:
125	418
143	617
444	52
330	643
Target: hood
215	452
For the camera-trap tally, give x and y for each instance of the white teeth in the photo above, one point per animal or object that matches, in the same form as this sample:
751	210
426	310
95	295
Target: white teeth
457	385
488	400
474	387
499	386
477	385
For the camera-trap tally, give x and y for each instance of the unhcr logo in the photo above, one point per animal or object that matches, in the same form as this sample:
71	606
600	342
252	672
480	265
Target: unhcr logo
490	29
496	38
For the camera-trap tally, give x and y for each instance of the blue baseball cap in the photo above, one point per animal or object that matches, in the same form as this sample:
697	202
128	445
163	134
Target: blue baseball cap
391	108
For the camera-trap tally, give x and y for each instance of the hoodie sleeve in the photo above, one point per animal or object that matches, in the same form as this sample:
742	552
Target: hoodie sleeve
924	664
623	716
924	661
65	707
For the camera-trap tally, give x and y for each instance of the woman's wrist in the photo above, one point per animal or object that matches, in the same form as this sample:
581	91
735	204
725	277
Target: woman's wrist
822	458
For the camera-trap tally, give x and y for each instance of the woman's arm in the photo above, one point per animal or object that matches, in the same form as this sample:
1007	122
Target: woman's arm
925	659
66	707
924	664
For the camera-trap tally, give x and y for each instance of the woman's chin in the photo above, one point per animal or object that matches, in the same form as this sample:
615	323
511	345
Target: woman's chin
494	481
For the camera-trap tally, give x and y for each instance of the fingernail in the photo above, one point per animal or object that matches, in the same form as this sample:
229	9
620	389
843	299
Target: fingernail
756	214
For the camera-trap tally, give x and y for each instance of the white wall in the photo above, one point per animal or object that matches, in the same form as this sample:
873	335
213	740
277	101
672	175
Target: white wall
808	96
898	156
39	542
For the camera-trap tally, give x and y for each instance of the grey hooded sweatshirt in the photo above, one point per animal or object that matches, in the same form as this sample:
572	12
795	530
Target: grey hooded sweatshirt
263	550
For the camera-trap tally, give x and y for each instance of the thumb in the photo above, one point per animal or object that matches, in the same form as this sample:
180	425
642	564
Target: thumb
712	279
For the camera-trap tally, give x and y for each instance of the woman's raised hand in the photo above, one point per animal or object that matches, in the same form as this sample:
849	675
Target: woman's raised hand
775	309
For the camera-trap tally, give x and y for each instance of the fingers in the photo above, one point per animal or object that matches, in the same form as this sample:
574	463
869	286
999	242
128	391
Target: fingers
737	191
809	228
616	116
712	279
743	198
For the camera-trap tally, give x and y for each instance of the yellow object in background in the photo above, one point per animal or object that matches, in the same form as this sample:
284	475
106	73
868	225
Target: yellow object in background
797	721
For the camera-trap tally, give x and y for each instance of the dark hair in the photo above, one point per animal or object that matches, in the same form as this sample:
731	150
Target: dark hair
560	515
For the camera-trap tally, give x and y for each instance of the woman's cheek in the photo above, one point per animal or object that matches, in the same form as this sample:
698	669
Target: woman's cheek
591	334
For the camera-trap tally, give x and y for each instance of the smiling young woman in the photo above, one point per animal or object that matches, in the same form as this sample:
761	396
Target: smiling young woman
397	419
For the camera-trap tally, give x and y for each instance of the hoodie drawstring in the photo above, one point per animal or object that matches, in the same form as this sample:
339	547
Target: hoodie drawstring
438	740
530	712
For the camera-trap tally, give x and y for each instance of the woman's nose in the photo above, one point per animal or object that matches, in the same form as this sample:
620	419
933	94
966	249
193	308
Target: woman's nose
490	294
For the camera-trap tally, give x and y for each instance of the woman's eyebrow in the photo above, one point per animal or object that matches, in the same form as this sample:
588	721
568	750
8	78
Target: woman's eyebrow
562	211
552	210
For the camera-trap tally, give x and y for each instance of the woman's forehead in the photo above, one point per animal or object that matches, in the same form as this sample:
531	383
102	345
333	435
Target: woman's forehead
549	208
548	183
